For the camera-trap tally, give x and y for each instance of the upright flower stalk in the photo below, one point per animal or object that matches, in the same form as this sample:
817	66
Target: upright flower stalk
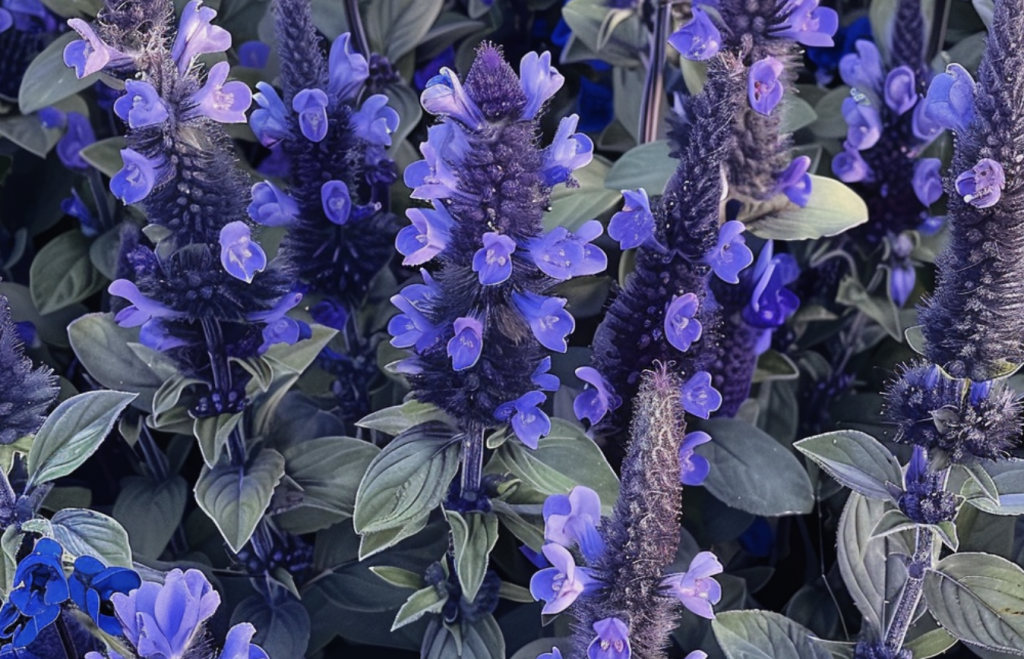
26	392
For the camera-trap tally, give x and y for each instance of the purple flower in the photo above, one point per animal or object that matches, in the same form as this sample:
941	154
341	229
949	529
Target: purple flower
809	24
142	309
681	328
548	319
140	105
196	36
240	255
850	167
923	126
253	54
91	54
612	641
220	101
573	519
529	422
285	304
154	335
927	181
693	468
699	397
283	330
336	201
795	182
375	120
269	122
699	39
238	644
771	302
554	654
427	236
40	588
596	400
330	314
311	105
348	69
950	99
901	89
731	254
542	378
165	620
563	255
432	177
568	152
902	278
79	135
6	20
52	117
864	122
540	81
136	179
764	89
445	96
464	348
561	584
982	185
493	261
695	588
76	208
863	70
92	584
271	206
697	654
634	224
411	327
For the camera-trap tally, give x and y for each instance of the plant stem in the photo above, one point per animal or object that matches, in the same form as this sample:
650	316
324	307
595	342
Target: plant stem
912	591
356	29
938	34
654	83
67	644
472	462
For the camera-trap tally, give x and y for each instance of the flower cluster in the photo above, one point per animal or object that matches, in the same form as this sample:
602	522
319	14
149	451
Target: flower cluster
481	323
26	393
925	499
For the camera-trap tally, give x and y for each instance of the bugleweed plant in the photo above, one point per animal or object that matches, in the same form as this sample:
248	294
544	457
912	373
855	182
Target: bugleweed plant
490	329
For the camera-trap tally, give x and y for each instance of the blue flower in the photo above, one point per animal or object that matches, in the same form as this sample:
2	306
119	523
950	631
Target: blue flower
529	422
348	69
432	177
695	588
137	178
6	20
698	39
427	236
76	208
809	24
375	120
863	70
699	397
924	127
771	302
241	256
864	124
563	255
850	167
493	261
270	121
950	99
548	319
560	585
445	96
238	644
573	519
464	348
634	224
927	181
90	54
596	400
730	254
142	309
39	588
540	81
79	135
196	36
253	54
141	105
681	326
410	328
764	89
568	152
221	101
330	314
982	185
336	201
693	468
612	641
554	654
795	182
92	585
271	206
542	378
594	106
311	105
901	89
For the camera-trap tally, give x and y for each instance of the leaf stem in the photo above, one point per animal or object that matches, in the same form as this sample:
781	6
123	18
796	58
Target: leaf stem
654	82
356	29
910	597
472	463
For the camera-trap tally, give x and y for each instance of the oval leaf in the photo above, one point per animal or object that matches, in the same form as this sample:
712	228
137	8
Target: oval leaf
832	209
647	166
235	498
855	459
764	635
89	533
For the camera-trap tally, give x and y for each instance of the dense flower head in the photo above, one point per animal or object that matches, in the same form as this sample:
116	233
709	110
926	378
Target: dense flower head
925	499
165	620
486	311
39	589
26	392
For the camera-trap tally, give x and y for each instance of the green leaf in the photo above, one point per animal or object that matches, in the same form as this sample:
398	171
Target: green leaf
830	123
479	640
647	166
773	365
879	309
914	337
7	451
408	479
1008	478
27	132
855	459
62	273
395	27
150	511
377	541
282	628
396	576
105	155
212	433
102	347
235	498
10	544
73	432
832	209
571	207
295	359
88	533
587	19
930	644
978	598
423	601
399	418
764	635
539	646
893	521
473	537
752	472
796	114
48	80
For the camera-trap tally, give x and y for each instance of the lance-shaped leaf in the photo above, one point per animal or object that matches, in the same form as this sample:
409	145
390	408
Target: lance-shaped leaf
855	459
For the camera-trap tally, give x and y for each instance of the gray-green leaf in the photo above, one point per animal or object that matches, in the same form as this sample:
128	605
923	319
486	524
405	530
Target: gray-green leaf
85	532
764	635
473	537
150	511
855	459
235	498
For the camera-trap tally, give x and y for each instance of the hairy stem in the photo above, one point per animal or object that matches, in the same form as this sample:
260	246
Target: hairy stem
912	591
472	462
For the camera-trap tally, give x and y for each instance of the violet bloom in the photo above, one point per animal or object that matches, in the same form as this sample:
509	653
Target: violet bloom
927	180
493	261
982	185
699	397
336	201
90	54
311	106
542	378
375	120
795	182
950	99
464	348
92	584
634	224
562	583
348	69
731	254
902	279
6	20
539	81
699	39
271	206
863	70
270	121
221	101
612	641
809	24
79	135
141	105
426	237
563	255
196	36
681	326
568	151
444	96
695	588
529	422
864	122
764	89
596	400
693	468
850	167
136	179
142	309
573	519
241	256
901	89
548	319
554	654
771	302
238	644
253	54
283	330
924	127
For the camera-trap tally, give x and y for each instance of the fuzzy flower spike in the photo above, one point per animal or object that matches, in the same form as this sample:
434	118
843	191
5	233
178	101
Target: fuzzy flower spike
25	393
